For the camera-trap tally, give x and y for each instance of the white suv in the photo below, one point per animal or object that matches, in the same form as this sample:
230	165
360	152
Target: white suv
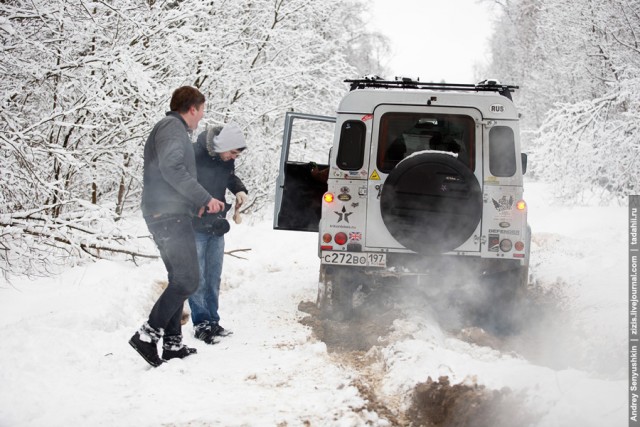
423	180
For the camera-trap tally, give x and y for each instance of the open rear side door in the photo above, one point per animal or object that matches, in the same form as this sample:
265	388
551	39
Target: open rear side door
299	188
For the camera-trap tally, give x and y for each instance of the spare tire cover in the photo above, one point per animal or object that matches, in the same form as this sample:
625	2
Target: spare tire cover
431	203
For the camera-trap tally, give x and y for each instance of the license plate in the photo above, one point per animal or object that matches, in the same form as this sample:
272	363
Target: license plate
362	259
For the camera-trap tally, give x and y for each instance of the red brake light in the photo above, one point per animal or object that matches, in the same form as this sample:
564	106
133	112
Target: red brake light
326	237
340	238
519	246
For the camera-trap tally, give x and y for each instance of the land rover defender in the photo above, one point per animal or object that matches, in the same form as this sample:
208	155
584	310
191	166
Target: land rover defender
423	180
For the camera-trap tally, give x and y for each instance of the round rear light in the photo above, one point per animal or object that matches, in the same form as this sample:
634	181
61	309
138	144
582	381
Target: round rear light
341	238
326	237
506	245
328	197
519	246
521	205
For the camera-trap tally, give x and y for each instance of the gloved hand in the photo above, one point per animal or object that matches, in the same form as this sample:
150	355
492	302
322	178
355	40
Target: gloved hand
241	199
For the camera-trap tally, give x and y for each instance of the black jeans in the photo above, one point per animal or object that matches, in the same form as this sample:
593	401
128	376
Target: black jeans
176	241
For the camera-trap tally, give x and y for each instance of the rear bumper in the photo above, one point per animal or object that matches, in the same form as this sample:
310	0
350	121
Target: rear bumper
409	264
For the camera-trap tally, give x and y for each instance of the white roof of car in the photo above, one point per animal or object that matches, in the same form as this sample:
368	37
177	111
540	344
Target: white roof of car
491	104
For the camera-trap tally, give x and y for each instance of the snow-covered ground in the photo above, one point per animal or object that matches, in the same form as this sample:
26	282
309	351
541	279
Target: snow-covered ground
65	358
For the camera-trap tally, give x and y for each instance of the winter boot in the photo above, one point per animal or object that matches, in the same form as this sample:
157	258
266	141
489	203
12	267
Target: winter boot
203	331
145	342
219	331
173	348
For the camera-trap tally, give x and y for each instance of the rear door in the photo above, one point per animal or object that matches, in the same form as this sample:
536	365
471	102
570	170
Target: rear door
417	127
301	178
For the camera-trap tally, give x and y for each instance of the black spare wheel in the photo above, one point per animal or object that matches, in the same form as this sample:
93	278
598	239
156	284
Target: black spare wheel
431	203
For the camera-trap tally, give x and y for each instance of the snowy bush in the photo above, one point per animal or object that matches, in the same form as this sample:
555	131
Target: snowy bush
592	147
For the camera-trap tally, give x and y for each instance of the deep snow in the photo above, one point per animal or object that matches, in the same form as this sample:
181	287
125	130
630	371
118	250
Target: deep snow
65	358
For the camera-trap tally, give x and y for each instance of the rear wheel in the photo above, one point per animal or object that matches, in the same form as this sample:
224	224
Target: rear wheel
431	203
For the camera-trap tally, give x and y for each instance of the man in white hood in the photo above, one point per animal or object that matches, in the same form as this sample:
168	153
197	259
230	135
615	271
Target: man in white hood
215	151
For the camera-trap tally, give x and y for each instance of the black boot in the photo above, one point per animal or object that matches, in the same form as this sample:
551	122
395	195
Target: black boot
145	342
173	348
204	331
219	331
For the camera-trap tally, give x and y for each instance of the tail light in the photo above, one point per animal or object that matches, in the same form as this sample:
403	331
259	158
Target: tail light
326	238
519	246
328	197
340	238
521	205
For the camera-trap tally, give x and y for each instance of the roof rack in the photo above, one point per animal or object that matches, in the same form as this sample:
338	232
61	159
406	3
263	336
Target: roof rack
407	83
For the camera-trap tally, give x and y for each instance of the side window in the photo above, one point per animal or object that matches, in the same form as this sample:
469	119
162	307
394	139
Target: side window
351	148
502	151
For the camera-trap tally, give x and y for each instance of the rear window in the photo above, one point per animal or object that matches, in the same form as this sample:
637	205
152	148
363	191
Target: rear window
502	151
402	134
351	148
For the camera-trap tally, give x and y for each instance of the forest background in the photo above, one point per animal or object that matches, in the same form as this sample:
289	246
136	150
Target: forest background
83	82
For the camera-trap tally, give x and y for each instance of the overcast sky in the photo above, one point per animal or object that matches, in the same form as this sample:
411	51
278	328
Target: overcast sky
434	39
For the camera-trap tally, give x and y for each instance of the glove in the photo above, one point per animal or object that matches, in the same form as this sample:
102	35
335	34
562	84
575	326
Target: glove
241	199
236	216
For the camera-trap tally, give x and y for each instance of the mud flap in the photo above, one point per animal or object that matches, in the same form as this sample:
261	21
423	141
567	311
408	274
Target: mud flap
500	311
336	287
324	292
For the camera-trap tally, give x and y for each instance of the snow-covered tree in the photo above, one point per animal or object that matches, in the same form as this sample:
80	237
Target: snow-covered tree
83	82
578	65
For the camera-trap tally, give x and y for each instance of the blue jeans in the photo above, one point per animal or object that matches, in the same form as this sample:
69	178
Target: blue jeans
204	302
174	237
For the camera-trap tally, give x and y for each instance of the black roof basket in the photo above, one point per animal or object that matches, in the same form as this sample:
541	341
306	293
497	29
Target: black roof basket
407	83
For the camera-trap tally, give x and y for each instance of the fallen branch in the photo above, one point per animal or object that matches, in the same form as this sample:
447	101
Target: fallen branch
236	250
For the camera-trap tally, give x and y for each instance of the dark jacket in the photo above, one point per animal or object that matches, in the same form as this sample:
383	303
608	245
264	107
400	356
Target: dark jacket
170	185
215	175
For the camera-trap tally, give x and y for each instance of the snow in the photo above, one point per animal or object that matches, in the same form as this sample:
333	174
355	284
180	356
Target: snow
417	153
66	359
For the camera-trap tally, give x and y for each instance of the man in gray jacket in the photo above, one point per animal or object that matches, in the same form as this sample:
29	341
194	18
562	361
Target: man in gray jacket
171	197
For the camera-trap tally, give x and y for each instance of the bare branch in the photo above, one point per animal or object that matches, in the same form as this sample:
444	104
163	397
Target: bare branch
232	252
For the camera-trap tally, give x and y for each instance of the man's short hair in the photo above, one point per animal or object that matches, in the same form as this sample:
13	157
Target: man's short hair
184	98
